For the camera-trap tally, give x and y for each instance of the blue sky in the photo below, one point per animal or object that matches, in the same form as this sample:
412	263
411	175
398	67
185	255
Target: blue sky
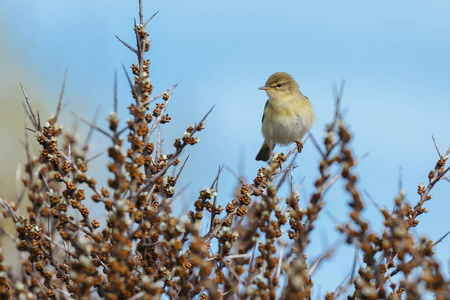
392	56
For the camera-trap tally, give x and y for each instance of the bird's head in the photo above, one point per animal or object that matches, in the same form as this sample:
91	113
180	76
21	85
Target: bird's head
280	84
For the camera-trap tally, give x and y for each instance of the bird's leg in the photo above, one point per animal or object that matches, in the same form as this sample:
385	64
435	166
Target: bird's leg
299	146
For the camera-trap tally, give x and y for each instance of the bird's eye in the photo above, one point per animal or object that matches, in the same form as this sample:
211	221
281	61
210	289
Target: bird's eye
279	85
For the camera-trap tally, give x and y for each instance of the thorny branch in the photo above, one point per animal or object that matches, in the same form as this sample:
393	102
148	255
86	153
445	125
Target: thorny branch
253	248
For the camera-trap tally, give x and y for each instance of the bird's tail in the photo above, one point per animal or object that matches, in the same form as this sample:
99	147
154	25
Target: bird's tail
265	152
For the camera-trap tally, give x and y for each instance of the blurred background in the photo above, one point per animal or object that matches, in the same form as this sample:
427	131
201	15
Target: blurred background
393	57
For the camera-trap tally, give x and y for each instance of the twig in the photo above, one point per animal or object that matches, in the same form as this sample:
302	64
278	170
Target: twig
89	135
163	110
141	13
232	271
36	122
435	145
158	96
149	19
10	236
242	180
323	256
158	143
440	240
181	169
67	251
400	179
138	296
280	259
171	160
285	174
127	45
115	92
58	108
213	210
92	125
133	90
9	209
292	179
317	146
338	96
93	157
18	192
372	200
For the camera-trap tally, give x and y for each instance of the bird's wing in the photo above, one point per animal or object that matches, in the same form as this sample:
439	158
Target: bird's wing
267	103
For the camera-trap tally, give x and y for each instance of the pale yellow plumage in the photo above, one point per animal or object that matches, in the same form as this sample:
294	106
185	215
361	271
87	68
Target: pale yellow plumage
288	114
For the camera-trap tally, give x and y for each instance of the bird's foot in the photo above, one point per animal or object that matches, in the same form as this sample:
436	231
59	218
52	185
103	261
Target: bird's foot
299	146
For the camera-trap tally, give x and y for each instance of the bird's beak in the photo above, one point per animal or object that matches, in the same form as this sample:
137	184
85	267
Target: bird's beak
264	88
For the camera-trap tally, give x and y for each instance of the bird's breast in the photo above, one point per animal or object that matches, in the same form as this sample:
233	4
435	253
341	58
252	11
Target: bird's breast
287	120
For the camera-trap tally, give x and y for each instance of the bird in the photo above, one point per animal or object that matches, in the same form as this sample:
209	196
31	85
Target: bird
288	114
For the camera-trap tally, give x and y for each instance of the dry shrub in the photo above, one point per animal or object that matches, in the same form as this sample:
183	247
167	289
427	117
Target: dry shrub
142	251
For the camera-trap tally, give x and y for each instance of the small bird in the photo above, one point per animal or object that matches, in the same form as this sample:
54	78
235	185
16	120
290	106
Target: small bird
288	114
